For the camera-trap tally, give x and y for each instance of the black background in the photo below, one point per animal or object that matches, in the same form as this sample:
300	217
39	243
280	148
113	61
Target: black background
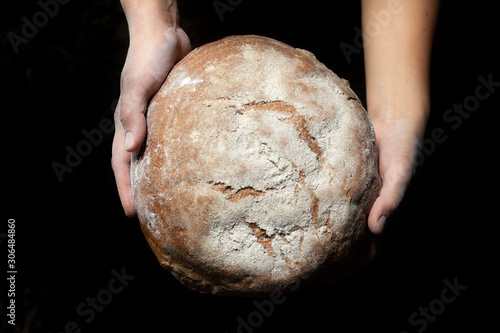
70	235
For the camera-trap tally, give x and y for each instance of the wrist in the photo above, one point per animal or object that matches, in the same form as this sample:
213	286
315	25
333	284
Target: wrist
399	102
416	111
412	125
146	17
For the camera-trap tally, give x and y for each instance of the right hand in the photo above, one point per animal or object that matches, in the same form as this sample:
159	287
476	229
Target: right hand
153	50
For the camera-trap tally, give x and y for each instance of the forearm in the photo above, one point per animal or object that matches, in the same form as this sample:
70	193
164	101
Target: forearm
397	57
142	15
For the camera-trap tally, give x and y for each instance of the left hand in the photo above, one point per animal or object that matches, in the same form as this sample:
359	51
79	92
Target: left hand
397	143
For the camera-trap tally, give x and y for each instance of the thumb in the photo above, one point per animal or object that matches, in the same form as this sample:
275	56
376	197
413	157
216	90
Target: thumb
393	189
132	117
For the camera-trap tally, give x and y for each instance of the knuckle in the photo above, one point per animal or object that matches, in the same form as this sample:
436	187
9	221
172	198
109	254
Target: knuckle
126	114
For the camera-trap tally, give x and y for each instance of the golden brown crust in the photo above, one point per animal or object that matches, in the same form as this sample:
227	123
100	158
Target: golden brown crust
259	169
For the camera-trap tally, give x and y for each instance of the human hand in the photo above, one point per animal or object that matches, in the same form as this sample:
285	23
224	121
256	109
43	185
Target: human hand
397	142
397	67
153	50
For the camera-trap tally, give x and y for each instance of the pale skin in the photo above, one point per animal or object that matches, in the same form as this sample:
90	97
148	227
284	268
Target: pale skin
397	56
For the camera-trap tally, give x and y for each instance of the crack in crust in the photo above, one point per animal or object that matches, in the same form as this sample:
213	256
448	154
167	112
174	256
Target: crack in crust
267	241
299	122
300	125
314	207
262	237
234	195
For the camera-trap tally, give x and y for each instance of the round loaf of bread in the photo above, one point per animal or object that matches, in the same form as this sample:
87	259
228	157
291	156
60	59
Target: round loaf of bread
258	171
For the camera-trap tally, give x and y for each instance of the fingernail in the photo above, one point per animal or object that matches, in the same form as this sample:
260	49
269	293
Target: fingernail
129	140
381	221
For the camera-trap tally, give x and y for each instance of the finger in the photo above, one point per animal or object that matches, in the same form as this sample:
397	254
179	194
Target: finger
120	163
131	110
134	124
183	44
393	188
121	168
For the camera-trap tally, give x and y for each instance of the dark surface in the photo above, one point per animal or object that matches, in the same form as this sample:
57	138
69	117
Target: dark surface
71	235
